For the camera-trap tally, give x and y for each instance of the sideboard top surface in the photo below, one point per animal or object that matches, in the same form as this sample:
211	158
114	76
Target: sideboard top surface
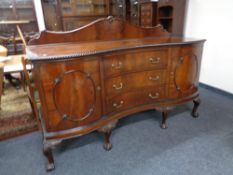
79	49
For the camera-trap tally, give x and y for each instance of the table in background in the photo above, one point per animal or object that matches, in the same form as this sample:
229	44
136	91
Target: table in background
14	65
3	51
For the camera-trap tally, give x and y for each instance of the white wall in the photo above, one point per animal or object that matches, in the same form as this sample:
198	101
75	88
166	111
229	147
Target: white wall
213	20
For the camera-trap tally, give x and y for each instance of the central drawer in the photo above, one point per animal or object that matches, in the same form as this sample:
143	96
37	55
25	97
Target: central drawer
134	98
116	64
134	81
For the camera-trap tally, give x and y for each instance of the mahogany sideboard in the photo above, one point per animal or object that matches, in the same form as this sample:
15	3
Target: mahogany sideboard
93	76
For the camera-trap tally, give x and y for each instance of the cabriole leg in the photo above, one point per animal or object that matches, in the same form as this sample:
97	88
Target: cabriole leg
47	150
107	131
164	119
107	145
195	107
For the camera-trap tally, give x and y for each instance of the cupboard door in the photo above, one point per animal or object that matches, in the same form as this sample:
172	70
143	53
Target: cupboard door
72	94
185	71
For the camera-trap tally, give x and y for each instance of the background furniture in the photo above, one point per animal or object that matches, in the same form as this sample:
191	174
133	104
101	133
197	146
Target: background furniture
134	12
171	15
148	15
71	14
30	87
17	10
1	82
16	25
12	79
14	64
114	70
17	116
3	53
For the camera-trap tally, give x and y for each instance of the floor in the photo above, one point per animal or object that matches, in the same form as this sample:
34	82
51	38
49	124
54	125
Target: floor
15	116
202	146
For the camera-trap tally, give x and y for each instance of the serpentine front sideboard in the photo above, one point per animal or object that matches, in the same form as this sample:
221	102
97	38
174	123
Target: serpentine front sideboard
91	77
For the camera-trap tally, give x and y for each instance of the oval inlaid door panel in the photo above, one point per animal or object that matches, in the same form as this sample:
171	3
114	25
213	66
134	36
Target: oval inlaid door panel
186	73
74	95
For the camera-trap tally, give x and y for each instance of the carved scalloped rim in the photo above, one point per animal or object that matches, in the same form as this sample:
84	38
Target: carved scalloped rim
34	57
110	19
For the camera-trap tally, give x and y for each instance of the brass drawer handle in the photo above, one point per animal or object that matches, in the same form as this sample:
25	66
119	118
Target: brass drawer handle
154	78
155	61
118	66
115	105
118	87
154	96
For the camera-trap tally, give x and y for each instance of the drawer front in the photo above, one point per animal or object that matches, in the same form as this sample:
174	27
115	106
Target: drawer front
134	81
135	61
134	98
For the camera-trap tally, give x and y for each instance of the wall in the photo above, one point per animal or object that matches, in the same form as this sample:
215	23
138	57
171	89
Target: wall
212	20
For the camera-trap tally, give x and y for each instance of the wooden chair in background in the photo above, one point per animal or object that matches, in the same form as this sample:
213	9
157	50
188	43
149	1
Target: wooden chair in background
3	52
14	38
1	82
31	90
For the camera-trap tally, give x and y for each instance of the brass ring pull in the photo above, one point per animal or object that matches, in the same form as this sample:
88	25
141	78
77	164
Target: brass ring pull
154	78
118	66
115	105
118	87
154	96
155	61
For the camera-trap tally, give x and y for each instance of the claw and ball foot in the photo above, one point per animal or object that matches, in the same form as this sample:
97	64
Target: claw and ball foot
164	118
107	131
49	155
195	107
107	145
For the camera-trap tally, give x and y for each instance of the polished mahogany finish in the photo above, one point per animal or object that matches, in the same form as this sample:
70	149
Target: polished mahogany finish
91	77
